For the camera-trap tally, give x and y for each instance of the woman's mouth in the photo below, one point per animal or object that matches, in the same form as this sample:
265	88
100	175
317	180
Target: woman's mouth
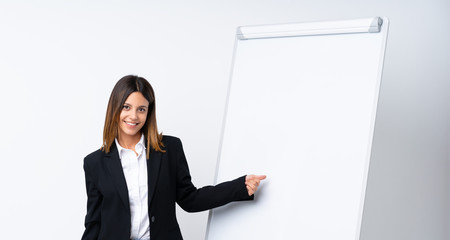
131	124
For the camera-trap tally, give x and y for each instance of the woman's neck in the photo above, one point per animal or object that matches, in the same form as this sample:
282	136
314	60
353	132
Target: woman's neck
129	142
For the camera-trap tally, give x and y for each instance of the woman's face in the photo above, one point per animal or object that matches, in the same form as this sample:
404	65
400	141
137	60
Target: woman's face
133	115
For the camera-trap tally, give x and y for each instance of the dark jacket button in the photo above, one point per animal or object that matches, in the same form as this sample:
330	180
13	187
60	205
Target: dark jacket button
153	219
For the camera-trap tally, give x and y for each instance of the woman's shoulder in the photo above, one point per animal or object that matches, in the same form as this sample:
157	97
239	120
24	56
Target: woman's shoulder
170	139
94	156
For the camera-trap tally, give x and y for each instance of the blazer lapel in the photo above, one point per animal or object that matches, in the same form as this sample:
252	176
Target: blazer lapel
115	168
153	166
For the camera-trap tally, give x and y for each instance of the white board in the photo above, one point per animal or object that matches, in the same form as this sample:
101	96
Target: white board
301	109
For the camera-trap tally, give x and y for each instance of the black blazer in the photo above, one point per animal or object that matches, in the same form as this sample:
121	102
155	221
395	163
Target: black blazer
108	209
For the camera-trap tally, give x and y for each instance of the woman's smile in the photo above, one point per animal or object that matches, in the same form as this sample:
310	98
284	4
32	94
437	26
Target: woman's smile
131	124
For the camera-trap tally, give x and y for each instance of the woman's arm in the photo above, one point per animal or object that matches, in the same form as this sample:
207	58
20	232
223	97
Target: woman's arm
94	199
192	199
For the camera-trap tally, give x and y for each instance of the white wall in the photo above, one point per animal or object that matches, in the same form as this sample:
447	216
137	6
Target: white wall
59	62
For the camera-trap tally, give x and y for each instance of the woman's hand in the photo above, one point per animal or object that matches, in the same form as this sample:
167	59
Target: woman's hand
252	183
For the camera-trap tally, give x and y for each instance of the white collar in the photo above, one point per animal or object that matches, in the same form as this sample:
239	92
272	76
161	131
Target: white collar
140	146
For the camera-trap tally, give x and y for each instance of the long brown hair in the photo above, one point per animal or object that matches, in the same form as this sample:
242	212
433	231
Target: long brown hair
123	88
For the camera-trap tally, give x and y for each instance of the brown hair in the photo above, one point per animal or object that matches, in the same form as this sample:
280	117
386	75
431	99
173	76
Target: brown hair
123	88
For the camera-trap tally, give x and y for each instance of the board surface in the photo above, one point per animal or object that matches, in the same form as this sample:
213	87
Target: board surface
302	111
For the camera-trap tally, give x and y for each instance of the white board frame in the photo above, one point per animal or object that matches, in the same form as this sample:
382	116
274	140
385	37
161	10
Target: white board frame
345	28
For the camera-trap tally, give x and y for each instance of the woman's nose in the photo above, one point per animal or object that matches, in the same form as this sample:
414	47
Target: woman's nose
133	115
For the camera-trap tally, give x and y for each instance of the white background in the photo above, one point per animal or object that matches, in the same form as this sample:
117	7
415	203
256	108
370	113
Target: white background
59	61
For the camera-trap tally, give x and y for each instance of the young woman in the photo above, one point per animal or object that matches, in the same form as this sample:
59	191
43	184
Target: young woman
135	179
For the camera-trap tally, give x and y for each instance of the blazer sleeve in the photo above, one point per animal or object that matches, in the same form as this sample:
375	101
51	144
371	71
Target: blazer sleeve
94	200
192	199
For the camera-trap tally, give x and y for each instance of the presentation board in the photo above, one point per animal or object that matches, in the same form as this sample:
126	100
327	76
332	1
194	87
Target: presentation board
301	109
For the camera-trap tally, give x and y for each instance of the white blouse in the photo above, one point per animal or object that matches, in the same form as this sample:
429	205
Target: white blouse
135	171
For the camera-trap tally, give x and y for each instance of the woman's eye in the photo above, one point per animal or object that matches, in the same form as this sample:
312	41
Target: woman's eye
126	107
141	109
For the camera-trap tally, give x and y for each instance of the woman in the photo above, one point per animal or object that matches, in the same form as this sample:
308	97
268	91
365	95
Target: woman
135	179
